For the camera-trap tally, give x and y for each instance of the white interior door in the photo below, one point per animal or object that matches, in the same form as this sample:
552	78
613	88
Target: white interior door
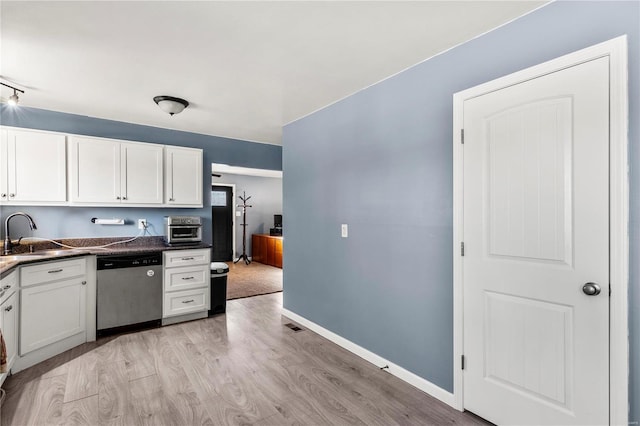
536	230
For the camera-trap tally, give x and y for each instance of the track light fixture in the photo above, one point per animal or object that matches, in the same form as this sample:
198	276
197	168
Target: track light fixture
171	105
13	99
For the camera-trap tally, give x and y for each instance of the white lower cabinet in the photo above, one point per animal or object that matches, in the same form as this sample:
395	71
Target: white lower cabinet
9	318
186	277
186	281
9	326
52	312
53	308
186	302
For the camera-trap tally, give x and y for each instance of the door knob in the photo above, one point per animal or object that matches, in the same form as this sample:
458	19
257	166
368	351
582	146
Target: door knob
591	289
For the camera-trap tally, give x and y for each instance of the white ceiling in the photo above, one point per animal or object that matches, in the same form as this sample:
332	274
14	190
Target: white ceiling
247	68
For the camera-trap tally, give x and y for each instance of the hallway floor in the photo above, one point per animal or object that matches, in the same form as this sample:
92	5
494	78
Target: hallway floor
253	279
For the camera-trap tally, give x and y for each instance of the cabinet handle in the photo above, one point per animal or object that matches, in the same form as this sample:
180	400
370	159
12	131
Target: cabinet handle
53	271
3	195
84	283
12	195
187	258
8	308
188	278
6	287
117	198
124	198
188	301
171	199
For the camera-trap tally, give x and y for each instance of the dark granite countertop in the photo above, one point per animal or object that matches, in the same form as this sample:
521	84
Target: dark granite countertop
46	251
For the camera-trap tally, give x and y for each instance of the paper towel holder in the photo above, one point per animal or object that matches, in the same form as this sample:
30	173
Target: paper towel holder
114	221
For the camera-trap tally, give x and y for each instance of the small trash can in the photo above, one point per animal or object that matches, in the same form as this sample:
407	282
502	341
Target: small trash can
219	271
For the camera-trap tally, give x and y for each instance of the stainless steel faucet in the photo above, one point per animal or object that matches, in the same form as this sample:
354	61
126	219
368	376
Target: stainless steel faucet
8	245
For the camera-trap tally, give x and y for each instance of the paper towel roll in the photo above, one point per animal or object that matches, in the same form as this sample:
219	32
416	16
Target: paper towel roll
113	221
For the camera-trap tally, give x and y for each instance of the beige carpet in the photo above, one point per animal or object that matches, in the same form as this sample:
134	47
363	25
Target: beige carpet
252	280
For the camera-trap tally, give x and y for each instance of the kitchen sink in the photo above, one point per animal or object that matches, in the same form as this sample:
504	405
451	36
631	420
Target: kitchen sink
39	255
58	252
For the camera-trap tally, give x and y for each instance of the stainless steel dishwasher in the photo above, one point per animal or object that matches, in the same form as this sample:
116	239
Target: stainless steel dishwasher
129	292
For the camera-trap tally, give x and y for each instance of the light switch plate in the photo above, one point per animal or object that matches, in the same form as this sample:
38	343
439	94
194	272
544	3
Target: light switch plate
238	213
345	230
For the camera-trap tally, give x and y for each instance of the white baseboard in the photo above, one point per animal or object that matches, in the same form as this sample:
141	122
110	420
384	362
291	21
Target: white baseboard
403	374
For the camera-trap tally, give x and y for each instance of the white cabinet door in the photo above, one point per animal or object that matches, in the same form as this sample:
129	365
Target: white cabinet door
9	324
183	182
141	173
4	164
9	317
94	170
106	171
35	167
51	312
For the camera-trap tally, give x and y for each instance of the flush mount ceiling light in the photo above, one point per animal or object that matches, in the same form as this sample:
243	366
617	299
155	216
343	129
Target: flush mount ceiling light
13	99
171	105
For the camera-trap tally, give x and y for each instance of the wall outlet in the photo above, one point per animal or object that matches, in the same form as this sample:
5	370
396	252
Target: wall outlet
142	224
345	230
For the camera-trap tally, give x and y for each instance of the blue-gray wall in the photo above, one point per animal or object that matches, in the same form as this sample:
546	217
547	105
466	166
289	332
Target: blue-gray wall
56	222
381	161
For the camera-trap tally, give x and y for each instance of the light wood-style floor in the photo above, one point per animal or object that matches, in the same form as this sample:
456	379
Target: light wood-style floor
244	367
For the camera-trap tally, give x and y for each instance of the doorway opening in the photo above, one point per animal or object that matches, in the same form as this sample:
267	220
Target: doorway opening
265	189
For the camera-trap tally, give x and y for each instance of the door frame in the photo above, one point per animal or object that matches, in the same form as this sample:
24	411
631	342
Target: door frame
233	206
616	50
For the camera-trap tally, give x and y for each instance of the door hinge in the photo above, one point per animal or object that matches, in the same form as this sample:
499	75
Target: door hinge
609	290
462	248
462	362
462	136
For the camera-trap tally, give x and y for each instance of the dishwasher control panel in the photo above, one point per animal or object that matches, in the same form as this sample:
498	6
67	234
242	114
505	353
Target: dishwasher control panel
129	260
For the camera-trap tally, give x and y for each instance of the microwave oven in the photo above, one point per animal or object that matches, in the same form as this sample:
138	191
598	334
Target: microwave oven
182	229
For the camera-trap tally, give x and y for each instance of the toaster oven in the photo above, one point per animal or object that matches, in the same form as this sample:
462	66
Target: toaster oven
182	229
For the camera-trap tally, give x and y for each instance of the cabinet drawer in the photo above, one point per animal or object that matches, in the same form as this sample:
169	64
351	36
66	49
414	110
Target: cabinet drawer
8	286
186	277
52	271
185	302
187	257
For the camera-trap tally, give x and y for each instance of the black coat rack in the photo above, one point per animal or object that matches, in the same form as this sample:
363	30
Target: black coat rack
244	206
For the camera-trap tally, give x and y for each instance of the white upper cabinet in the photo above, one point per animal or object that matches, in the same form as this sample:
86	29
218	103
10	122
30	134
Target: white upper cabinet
94	170
141	168
104	171
183	176
48	168
32	167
